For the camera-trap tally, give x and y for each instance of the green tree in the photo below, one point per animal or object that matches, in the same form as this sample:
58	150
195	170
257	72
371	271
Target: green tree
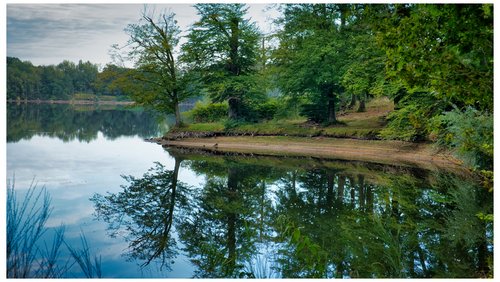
442	55
223	48
312	55
85	77
114	80
153	45
23	79
364	72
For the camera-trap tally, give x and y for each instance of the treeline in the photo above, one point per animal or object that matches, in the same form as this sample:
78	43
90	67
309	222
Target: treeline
82	123
64	81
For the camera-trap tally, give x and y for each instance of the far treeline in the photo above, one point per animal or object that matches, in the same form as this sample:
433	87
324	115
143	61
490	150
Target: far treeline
64	81
434	61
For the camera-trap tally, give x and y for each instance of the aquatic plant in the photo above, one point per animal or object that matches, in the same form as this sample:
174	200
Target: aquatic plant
28	254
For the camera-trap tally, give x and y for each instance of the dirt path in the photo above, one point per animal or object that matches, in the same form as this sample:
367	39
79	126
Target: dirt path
388	152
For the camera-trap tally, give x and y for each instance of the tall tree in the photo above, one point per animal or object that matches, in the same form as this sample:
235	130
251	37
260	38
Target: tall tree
364	72
223	48
312	55
153	44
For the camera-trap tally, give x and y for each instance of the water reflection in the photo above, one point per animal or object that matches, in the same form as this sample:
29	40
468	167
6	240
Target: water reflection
78	122
144	213
272	217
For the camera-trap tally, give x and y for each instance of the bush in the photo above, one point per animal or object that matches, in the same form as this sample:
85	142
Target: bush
265	111
212	112
407	124
470	133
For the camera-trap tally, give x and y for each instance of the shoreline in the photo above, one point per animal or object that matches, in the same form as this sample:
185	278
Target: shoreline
422	155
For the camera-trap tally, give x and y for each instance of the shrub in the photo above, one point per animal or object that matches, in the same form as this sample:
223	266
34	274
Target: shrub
266	111
212	112
470	133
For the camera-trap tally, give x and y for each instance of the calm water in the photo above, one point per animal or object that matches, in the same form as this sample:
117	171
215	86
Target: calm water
155	212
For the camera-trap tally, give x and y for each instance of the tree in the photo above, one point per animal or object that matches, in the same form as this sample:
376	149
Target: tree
442	55
153	45
364	71
223	48
23	79
312	55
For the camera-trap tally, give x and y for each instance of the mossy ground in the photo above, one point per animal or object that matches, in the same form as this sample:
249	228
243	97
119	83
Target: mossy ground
352	124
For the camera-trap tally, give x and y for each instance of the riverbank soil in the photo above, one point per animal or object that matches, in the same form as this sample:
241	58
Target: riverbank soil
387	152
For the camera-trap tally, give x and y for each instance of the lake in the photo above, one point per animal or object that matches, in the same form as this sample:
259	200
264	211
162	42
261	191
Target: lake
153	212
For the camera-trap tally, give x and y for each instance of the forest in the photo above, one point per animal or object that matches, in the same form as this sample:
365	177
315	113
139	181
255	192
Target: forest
433	63
64	81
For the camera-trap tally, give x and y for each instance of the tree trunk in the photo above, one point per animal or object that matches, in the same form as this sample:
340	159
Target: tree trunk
361	187
234	108
362	106
353	101
331	108
178	119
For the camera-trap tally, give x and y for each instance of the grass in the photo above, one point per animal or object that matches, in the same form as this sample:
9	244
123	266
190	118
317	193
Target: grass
26	219
364	125
83	96
203	127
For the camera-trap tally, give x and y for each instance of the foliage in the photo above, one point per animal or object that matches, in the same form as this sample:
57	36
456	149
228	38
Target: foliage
313	55
364	70
25	228
212	112
314	112
222	49
113	81
265	110
446	49
443	51
161	85
25	81
91	266
410	121
470	134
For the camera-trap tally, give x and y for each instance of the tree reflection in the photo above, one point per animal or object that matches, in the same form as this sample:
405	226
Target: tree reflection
226	220
81	123
325	221
405	228
144	213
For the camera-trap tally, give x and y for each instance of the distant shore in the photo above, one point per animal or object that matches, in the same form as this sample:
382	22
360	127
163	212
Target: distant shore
71	102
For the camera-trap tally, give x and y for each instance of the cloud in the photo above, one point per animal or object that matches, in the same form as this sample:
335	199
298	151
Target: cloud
44	32
50	33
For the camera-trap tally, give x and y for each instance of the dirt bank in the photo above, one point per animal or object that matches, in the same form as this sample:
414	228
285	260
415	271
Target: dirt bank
386	152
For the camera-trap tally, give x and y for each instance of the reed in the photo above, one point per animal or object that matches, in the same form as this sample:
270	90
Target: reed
28	255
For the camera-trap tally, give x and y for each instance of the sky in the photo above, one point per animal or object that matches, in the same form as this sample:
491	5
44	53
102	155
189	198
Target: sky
50	33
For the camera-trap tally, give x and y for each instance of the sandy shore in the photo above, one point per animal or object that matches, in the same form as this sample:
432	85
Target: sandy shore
386	152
